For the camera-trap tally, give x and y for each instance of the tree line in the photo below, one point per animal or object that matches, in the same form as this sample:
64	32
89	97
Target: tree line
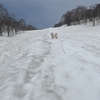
10	25
81	14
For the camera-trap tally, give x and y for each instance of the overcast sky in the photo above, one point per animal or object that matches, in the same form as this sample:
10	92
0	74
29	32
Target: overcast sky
43	13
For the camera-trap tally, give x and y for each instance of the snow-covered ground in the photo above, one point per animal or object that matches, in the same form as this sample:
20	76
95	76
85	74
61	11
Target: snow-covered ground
35	67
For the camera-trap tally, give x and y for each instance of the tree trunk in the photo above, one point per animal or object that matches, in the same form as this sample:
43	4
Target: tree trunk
8	30
94	21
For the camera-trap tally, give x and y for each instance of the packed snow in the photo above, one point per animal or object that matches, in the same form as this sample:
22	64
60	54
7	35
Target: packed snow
33	66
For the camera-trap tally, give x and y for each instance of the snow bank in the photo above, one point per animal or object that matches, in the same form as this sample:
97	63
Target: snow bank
35	67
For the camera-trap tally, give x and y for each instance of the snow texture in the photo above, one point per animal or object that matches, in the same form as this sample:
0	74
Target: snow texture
33	66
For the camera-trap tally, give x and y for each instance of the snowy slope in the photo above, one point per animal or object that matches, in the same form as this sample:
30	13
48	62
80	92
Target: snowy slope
35	67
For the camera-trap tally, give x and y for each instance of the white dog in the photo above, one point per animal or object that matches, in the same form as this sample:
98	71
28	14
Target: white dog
54	35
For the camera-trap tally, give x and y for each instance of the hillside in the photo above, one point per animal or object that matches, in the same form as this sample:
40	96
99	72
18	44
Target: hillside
35	67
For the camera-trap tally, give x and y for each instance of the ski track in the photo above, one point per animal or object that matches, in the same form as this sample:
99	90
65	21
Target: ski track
18	79
27	75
